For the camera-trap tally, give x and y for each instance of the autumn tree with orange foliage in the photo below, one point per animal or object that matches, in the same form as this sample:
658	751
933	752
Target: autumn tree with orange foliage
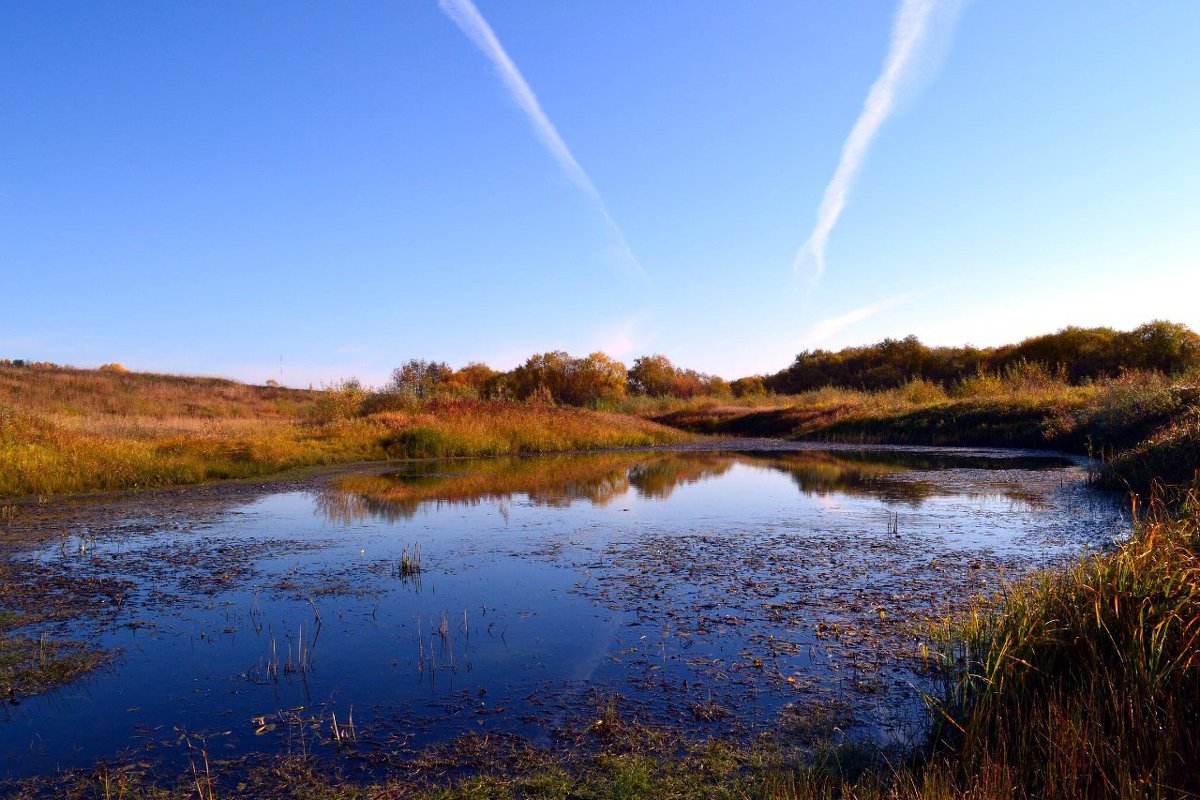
656	376
569	380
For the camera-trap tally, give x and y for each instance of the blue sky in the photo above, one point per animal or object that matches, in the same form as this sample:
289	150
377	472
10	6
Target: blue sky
207	187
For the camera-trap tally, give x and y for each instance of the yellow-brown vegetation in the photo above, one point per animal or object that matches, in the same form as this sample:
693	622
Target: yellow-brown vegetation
70	431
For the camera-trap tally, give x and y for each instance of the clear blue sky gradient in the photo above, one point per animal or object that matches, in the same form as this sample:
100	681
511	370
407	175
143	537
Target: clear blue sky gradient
204	187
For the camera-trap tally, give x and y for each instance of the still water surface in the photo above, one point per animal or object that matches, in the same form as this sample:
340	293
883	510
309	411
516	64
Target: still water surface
729	592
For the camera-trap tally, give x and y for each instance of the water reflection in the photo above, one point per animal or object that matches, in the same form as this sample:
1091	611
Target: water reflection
755	582
558	481
551	481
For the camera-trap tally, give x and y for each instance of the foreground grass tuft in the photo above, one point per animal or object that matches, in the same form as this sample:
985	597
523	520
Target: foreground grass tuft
1087	684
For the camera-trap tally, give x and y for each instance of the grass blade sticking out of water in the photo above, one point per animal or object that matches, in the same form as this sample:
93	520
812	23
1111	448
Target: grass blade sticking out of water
410	561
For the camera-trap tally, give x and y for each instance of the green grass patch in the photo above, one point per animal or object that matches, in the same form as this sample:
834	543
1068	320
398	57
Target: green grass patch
32	666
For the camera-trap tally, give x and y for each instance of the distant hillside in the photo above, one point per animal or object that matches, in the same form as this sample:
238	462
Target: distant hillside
65	430
65	391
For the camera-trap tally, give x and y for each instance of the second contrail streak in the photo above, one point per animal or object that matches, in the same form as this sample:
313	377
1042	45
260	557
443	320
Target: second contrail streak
910	39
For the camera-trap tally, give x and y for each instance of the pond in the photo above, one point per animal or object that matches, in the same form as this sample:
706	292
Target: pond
732	592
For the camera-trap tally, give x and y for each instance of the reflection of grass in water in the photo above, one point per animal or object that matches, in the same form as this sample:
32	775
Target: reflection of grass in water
659	478
817	472
554	481
878	474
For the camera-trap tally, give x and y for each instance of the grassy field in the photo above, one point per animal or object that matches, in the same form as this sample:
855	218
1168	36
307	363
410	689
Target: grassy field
69	431
1142	424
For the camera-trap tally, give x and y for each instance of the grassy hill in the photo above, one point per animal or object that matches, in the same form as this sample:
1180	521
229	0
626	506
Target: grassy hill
68	430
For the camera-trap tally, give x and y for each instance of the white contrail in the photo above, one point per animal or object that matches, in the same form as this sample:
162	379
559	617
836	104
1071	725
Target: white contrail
466	16
910	40
828	328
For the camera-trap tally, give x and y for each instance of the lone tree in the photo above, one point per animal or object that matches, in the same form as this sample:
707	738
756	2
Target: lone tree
652	375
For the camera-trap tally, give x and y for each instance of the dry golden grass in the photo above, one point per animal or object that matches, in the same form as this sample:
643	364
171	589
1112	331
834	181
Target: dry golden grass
469	427
70	431
1086	684
1025	408
81	392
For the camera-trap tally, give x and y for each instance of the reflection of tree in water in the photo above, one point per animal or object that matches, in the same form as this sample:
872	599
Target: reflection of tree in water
940	460
558	481
659	478
881	473
599	490
555	481
342	506
822	473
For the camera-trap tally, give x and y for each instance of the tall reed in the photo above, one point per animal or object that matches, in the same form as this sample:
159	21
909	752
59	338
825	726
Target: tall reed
1087	684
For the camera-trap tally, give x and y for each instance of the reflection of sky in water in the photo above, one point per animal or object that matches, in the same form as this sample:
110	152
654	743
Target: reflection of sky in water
535	573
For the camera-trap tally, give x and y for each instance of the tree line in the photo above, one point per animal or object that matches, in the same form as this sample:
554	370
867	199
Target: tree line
554	377
1073	355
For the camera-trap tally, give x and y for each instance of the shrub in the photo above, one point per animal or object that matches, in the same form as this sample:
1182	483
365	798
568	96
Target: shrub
752	386
565	379
982	384
1074	355
338	402
423	441
921	391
